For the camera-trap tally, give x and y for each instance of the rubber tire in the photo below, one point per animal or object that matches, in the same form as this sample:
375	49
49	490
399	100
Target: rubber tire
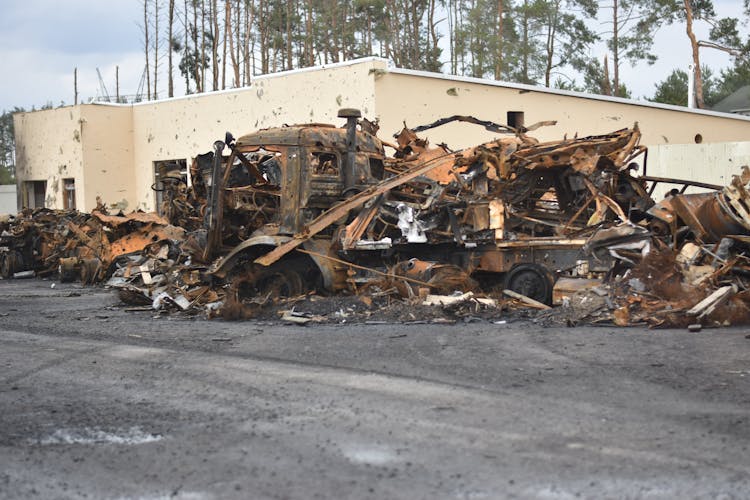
278	281
285	282
10	262
531	280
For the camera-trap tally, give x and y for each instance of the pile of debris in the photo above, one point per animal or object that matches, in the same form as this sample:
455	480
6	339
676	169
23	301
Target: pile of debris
698	269
318	209
75	245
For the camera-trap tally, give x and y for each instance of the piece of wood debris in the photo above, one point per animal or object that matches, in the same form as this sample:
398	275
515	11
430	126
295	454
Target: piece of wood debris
181	301
447	300
526	300
146	276
710	303
366	300
299	318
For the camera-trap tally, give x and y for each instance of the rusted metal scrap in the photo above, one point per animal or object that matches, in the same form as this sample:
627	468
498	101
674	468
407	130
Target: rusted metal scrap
688	262
285	211
76	245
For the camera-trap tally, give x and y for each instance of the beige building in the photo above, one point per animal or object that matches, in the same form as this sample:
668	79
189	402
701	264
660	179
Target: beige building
67	157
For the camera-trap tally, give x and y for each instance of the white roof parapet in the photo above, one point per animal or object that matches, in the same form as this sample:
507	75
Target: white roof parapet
390	68
569	93
268	76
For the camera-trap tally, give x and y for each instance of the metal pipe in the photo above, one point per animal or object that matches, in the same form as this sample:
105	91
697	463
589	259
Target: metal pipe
214	204
351	116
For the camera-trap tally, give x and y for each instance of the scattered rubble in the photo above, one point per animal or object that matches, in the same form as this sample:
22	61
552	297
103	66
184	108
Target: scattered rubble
294	212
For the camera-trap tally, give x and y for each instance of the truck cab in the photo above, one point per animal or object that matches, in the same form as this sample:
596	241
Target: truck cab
306	169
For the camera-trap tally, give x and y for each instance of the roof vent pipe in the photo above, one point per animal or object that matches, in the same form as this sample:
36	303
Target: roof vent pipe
351	116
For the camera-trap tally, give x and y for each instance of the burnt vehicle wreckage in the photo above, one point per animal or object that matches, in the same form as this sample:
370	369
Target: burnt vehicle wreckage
286	211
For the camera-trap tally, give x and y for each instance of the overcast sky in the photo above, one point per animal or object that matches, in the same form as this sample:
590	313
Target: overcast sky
41	41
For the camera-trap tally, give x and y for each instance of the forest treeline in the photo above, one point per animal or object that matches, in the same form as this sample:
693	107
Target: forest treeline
218	44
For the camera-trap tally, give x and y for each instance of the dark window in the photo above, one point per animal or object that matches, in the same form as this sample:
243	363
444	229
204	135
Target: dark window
376	168
36	192
323	163
167	174
515	119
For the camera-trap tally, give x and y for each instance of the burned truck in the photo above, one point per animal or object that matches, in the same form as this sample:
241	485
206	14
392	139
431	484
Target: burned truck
308	207
314	206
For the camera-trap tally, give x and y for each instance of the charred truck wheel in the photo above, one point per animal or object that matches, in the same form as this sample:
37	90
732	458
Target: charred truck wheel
531	280
284	279
10	262
278	281
261	282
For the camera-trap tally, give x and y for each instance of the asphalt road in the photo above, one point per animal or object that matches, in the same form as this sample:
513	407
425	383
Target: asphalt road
99	402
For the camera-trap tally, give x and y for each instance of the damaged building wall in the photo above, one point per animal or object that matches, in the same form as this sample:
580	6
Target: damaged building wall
181	128
718	163
115	145
110	150
49	148
421	97
54	145
108	157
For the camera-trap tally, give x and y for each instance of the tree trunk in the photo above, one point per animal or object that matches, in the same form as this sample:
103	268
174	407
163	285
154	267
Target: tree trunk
452	37
289	53
615	48
696	56
394	35
246	43
227	33
369	32
147	49
215	43
309	35
263	32
203	47
186	51
170	80
415	36
278	53
231	35
156	48
252	41
433	59
525	43
238	43
551	34
606	89
334	32
499	49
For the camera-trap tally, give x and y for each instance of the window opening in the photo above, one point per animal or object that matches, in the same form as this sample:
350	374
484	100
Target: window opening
36	192
377	170
324	164
69	194
515	119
